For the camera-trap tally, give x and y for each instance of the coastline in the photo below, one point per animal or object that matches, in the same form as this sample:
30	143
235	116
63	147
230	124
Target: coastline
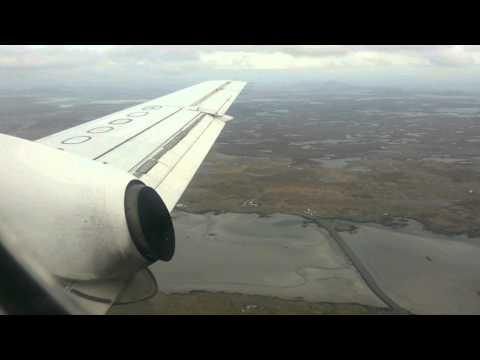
326	224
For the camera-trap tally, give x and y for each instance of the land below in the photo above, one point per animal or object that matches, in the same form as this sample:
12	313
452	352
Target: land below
222	303
362	155
443	197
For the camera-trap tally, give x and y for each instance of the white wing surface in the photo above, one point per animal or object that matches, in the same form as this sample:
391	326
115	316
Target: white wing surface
162	142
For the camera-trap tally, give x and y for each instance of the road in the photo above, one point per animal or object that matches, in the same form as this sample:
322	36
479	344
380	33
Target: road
356	262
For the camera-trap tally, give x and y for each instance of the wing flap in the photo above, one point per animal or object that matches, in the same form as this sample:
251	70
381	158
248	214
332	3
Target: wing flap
174	171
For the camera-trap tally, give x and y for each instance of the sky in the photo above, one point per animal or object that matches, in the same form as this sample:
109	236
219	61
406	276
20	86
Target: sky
426	66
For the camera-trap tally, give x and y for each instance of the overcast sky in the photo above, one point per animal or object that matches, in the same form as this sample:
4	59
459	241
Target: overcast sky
99	65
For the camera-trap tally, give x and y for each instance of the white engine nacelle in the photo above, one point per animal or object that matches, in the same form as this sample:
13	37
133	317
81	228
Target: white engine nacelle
80	219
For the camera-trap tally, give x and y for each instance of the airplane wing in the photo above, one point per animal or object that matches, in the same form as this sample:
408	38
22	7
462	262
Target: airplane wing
91	203
162	142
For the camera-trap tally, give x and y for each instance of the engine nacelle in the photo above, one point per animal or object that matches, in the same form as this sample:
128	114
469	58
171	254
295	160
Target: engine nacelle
80	219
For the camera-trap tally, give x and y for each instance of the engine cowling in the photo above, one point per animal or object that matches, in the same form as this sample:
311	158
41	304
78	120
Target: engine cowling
81	219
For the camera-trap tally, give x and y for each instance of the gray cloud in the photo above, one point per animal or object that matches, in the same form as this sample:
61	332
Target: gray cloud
117	64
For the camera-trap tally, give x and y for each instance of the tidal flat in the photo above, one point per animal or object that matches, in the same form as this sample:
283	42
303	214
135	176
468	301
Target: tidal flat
282	264
421	271
246	263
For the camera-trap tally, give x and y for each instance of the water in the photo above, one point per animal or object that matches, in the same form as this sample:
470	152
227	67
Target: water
445	159
282	256
422	272
458	110
341	163
55	100
277	256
